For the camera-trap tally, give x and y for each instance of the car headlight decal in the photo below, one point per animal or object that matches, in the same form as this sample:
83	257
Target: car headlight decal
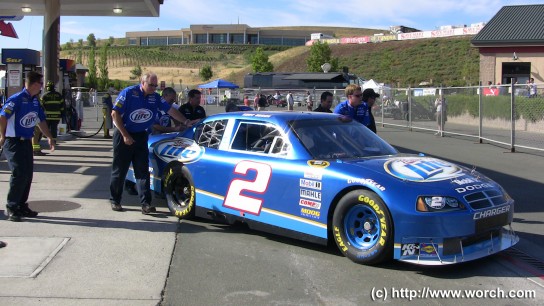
438	204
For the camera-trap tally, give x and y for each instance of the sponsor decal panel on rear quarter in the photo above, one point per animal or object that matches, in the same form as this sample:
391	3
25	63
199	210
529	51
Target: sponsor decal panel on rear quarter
309	203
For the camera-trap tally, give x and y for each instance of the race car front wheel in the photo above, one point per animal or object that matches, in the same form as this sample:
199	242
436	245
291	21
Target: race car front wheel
362	227
180	191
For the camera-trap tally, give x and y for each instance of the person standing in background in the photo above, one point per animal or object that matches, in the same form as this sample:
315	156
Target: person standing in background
18	117
192	110
326	103
290	101
309	102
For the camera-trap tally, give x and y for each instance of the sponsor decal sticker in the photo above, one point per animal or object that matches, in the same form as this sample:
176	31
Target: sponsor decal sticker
464	181
366	182
427	250
473	187
181	149
318	163
310	213
410	249
310	194
309	203
310	184
29	120
421	169
313	174
491	212
141	115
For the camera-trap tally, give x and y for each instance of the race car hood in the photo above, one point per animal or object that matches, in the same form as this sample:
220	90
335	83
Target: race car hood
426	172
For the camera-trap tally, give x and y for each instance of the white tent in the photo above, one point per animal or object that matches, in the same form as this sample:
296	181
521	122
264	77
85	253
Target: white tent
372	84
383	90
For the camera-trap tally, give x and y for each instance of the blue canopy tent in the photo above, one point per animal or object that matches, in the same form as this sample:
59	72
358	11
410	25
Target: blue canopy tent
218	84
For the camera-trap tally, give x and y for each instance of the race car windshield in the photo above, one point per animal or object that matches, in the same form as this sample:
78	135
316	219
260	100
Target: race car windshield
331	138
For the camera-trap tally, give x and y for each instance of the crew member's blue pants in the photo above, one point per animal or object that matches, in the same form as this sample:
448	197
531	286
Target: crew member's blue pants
18	152
123	155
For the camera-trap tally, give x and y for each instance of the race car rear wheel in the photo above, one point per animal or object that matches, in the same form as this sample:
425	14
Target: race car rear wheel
180	191
362	227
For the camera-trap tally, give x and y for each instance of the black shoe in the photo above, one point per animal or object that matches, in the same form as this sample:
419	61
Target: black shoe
2	244
116	207
108	137
25	211
13	214
130	188
39	153
147	209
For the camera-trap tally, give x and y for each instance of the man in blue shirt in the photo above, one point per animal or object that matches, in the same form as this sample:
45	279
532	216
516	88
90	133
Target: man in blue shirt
133	114
18	117
358	106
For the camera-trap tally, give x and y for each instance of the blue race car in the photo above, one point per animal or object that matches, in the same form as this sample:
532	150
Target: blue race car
312	176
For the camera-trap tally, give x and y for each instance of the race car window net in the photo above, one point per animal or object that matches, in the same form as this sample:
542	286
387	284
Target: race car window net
331	138
259	137
210	134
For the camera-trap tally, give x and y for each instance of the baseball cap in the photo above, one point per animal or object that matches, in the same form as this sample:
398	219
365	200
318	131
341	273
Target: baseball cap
370	93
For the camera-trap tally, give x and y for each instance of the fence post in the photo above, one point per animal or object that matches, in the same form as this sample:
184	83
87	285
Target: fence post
480	115
410	108
512	118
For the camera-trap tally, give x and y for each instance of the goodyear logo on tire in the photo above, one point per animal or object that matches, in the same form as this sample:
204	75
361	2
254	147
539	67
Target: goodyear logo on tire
421	169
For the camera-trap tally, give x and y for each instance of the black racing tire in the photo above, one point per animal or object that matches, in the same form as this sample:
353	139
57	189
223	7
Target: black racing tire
179	190
362	228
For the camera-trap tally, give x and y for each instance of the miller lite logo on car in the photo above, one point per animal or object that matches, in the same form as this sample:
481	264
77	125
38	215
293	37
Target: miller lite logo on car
141	115
29	120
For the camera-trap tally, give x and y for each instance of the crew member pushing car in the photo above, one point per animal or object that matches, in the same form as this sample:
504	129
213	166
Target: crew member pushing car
133	114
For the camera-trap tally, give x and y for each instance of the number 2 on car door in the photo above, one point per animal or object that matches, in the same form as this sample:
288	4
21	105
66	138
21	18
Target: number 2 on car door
236	200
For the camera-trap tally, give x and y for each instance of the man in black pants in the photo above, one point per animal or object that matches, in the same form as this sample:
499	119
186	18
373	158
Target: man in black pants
21	113
133	113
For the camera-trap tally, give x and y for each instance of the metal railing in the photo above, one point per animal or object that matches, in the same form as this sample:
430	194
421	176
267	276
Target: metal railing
508	115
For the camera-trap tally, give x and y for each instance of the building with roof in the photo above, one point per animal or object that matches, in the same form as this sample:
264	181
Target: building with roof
220	34
511	45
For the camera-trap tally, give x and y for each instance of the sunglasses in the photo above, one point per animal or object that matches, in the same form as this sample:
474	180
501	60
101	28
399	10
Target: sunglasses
152	85
358	96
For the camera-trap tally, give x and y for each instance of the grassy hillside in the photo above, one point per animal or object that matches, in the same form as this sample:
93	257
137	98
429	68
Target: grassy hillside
446	61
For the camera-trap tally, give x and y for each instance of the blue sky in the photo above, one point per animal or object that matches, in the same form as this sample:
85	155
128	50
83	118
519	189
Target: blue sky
178	14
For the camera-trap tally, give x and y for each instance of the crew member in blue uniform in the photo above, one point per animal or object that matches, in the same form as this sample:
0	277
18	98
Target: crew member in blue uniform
133	114
192	109
358	106
21	113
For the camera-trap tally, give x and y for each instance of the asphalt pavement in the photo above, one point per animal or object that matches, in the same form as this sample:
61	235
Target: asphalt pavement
78	251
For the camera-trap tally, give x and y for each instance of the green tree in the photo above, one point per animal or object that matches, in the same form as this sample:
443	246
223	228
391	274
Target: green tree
111	40
69	44
260	62
79	58
91	40
92	68
136	73
205	73
320	53
103	67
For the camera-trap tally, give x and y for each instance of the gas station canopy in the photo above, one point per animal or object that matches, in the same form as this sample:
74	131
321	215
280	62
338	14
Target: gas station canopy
123	8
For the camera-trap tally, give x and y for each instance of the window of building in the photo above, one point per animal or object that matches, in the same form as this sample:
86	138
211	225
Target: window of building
201	39
237	38
143	41
132	41
156	41
218	38
174	41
